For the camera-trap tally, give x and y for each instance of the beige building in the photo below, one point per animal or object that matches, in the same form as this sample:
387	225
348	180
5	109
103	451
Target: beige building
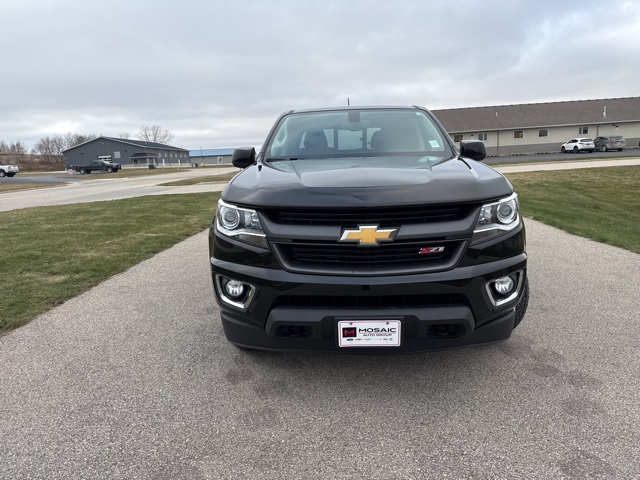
543	127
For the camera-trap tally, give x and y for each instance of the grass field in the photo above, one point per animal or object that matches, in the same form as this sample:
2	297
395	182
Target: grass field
12	187
223	178
598	203
55	253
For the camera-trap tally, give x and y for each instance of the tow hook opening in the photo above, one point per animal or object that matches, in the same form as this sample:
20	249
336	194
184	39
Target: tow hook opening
445	331
293	331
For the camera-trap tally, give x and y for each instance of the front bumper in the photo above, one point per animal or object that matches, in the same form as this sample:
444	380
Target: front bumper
291	311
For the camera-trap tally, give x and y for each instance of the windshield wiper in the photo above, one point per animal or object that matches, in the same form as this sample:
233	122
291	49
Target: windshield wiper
282	159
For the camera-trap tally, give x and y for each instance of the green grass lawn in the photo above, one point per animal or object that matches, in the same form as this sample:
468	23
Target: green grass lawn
222	178
55	253
598	203
12	187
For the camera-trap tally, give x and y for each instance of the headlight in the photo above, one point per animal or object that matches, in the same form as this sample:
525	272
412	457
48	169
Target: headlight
240	223
496	219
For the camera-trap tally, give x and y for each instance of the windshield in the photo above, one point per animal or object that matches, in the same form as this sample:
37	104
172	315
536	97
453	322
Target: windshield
353	133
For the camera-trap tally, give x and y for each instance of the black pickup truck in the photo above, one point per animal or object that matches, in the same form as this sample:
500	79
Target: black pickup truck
97	165
366	230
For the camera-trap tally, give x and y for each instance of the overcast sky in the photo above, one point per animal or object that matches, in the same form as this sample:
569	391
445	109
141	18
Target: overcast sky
218	73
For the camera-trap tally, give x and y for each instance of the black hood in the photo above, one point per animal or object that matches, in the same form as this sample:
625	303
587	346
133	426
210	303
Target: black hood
360	182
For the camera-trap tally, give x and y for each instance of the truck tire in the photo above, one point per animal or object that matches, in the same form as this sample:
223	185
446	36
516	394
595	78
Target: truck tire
109	170
88	171
2	173
521	308
83	171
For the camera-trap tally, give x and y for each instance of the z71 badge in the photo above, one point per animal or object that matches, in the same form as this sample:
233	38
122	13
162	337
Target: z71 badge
427	250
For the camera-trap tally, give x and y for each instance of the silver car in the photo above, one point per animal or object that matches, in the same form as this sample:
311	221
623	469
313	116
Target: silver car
616	142
577	145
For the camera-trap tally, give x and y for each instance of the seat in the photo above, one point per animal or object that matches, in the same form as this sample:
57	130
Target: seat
315	142
394	139
377	140
382	140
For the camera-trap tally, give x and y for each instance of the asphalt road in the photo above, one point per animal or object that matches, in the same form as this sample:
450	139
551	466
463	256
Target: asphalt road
134	379
102	187
545	157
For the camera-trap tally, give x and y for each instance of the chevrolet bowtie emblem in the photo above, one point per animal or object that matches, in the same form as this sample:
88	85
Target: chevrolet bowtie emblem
368	235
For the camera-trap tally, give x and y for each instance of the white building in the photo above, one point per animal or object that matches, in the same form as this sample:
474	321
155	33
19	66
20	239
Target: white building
543	127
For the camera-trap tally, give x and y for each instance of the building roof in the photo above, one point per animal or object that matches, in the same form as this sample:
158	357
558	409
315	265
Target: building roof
135	143
534	115
211	152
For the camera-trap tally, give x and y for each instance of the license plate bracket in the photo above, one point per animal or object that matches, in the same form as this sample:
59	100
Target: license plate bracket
369	333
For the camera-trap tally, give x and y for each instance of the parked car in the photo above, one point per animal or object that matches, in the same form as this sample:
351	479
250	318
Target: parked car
616	142
102	165
8	170
366	229
577	145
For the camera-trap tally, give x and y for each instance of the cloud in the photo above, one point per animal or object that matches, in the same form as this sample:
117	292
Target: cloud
218	73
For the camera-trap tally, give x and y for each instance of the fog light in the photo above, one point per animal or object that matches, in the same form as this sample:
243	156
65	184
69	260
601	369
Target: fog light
504	285
234	289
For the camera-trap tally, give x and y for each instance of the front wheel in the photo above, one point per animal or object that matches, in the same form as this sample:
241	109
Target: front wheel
604	148
2	173
109	170
83	171
562	150
521	308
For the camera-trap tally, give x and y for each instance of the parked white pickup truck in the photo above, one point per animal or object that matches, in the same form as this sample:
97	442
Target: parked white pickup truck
8	170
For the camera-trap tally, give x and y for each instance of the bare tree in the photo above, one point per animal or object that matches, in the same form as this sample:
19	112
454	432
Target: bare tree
124	135
17	153
72	139
4	148
50	149
155	133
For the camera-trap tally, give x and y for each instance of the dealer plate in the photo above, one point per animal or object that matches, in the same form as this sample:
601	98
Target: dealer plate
369	333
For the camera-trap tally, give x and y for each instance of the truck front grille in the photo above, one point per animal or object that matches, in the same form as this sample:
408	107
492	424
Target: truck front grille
389	217
350	259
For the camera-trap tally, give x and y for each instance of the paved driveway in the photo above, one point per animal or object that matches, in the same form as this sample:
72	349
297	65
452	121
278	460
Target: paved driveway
134	380
101	187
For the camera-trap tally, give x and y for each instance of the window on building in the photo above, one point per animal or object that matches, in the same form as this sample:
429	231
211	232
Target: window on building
458	137
583	130
482	136
518	134
543	132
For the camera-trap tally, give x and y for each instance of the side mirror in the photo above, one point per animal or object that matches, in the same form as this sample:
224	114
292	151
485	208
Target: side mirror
243	157
473	149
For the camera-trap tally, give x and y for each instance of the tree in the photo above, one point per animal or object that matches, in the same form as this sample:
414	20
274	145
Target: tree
17	153
155	133
124	135
72	139
50	149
